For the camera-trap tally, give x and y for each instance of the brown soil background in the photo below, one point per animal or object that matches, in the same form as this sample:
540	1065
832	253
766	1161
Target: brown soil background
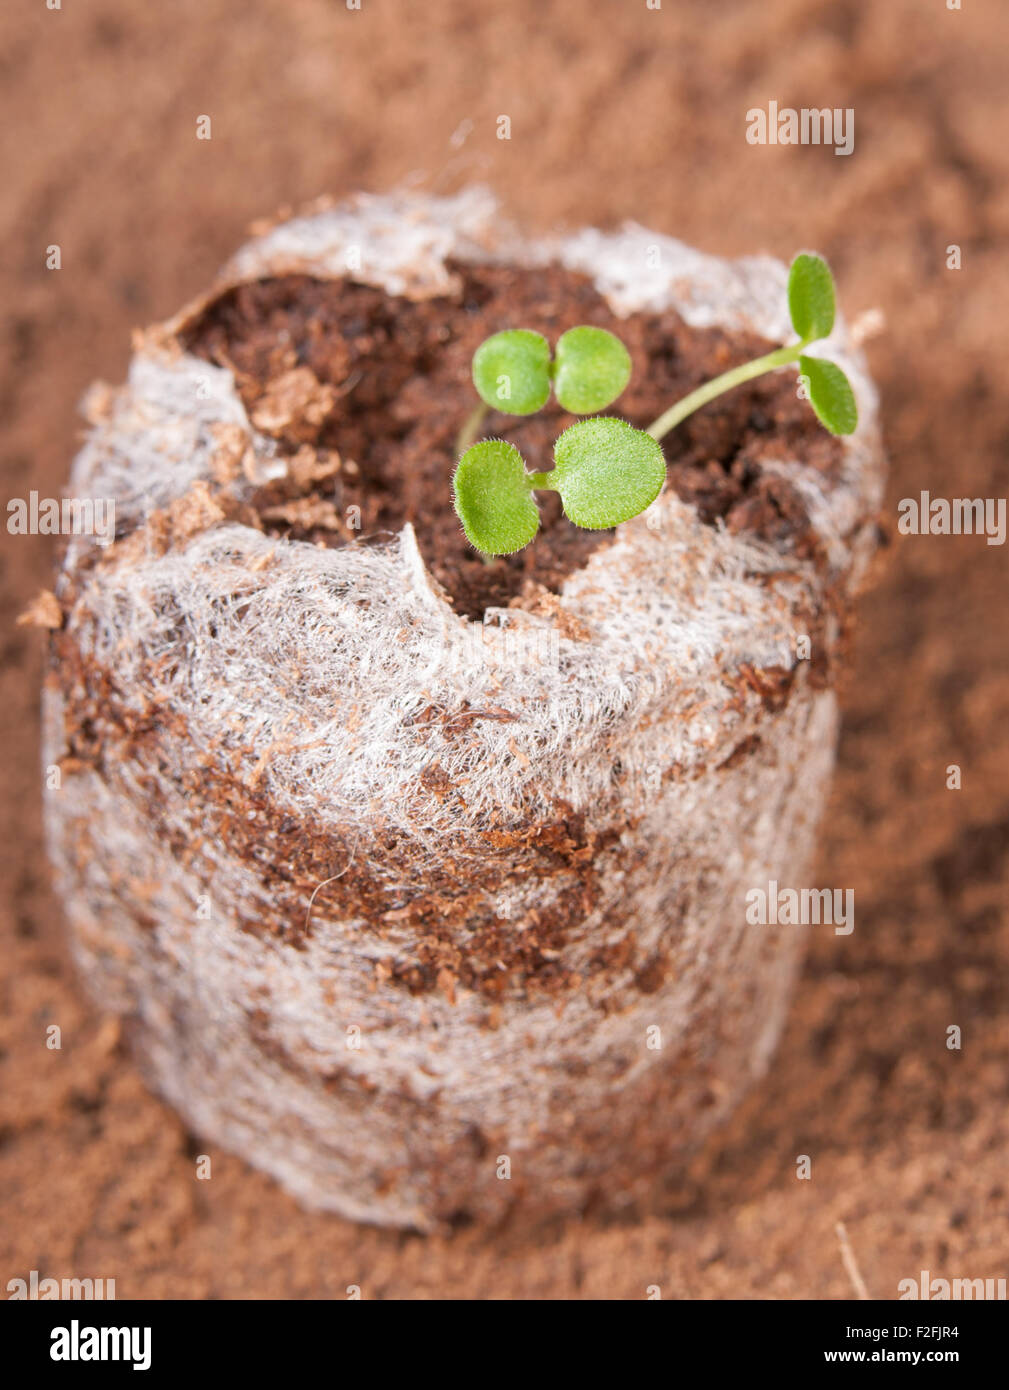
643	118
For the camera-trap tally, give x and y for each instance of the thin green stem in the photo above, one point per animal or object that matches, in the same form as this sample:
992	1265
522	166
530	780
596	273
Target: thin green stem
540	481
470	429
719	384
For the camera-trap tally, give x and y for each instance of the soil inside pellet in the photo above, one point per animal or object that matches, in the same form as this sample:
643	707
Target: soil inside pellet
367	393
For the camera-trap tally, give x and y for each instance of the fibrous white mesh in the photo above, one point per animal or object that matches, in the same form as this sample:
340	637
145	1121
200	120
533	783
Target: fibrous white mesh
310	666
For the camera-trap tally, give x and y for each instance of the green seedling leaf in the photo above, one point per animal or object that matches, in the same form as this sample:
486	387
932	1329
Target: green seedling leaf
606	472
811	297
591	368
830	394
493	499
511	371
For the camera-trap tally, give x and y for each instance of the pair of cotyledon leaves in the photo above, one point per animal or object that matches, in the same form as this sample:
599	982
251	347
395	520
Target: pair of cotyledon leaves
811	307
605	470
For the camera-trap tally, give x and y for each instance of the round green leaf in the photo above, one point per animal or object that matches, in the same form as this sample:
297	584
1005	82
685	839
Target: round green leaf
492	498
606	472
591	368
811	297
830	394
511	371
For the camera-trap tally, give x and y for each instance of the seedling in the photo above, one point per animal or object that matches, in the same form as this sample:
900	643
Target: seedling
605	470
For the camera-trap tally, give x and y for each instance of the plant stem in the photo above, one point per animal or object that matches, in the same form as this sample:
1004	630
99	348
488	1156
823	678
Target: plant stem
541	481
672	417
470	428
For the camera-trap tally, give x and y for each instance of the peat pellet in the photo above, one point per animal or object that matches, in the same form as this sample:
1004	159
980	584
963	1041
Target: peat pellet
421	883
